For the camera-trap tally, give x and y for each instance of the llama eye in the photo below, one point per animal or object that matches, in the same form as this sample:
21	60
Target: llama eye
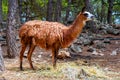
86	14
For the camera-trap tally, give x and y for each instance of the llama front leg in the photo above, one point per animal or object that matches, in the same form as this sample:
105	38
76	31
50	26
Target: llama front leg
54	57
31	49
21	55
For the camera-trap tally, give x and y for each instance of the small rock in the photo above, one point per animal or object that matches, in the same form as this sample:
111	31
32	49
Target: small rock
101	54
95	53
114	53
63	54
70	73
25	54
116	42
106	40
113	31
85	39
80	40
106	69
76	48
104	31
116	26
87	42
17	38
100	45
91	49
116	32
2	39
98	35
39	56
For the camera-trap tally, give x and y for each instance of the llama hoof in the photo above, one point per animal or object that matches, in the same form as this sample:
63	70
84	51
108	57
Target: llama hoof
33	68
54	66
21	69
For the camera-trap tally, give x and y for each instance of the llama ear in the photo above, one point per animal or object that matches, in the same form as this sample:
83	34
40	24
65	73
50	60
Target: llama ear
83	9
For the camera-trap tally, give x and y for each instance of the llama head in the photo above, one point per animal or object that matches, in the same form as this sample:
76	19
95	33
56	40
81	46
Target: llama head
86	15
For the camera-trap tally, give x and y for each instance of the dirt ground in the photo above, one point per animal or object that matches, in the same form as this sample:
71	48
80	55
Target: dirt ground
112	62
43	64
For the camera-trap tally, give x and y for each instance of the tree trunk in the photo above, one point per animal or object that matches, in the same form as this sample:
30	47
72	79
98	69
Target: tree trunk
58	11
20	10
50	10
0	13
110	9
67	11
2	67
90	24
18	16
88	6
102	10
27	10
11	24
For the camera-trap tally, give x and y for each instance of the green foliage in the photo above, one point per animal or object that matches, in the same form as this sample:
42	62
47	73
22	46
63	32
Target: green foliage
64	3
41	3
5	8
38	8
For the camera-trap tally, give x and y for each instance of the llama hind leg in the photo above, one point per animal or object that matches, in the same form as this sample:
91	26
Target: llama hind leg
31	49
21	55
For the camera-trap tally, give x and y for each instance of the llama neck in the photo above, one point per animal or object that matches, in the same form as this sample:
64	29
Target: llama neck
76	27
73	31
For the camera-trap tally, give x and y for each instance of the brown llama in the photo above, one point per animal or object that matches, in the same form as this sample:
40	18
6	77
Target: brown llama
50	35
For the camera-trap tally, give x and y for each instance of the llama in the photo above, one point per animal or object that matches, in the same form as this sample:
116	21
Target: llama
50	35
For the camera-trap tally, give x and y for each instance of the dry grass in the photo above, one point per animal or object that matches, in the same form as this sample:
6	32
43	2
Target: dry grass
65	71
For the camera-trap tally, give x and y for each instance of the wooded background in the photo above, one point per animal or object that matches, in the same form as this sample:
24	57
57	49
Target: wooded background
107	11
13	13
